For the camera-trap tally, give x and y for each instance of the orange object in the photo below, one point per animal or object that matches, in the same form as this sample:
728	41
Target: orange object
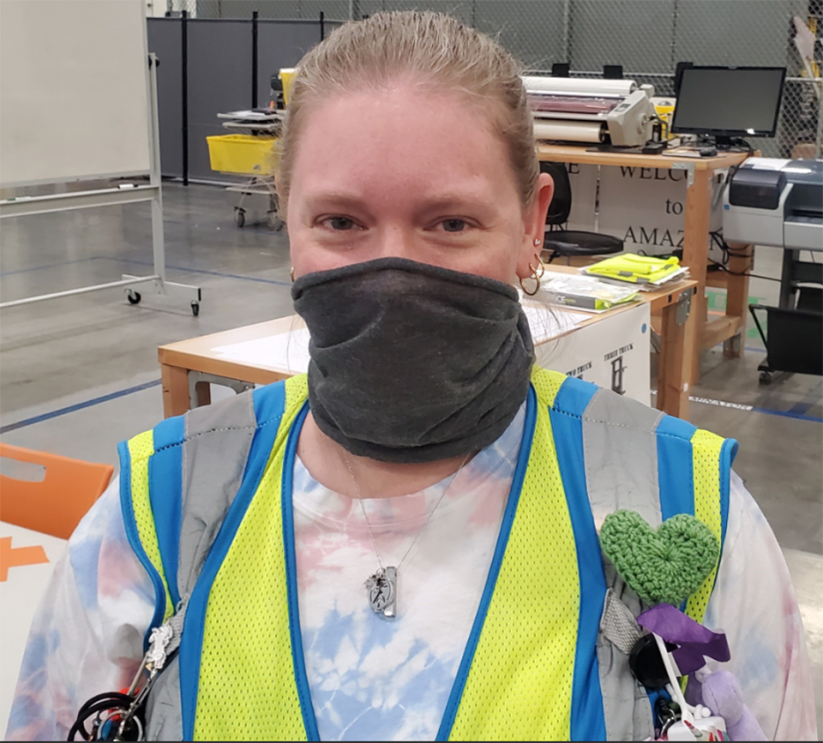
57	503
14	557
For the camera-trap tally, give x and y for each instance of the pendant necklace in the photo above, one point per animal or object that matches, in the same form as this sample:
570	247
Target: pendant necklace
382	584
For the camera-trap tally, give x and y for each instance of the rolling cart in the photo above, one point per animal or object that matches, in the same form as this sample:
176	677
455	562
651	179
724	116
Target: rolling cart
250	152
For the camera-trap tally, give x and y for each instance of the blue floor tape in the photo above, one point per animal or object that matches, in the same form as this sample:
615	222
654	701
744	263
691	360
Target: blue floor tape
789	414
47	265
156	383
78	406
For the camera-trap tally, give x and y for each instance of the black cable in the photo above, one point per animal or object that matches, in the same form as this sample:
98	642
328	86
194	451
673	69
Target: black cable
724	248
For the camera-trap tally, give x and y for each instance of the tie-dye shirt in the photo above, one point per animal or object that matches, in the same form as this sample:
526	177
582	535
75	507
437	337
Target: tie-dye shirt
370	678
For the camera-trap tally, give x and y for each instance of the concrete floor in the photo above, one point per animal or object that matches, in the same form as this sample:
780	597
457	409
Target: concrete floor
79	374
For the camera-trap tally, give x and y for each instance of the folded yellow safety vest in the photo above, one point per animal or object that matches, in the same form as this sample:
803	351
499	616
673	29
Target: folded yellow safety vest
640	269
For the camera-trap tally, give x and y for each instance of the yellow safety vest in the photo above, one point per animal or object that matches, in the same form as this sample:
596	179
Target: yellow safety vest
207	502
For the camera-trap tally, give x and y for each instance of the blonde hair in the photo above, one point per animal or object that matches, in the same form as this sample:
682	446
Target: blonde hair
432	49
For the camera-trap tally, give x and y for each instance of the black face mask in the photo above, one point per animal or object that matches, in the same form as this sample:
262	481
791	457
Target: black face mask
411	362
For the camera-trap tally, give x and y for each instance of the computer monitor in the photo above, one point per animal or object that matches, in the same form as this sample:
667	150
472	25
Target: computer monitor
728	102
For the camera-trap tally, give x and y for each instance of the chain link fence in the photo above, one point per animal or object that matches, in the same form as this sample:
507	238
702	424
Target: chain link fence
646	37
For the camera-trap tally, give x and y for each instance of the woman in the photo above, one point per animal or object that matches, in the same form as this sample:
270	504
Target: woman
421	457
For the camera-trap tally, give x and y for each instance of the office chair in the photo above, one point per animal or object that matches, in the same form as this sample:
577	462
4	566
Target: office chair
567	243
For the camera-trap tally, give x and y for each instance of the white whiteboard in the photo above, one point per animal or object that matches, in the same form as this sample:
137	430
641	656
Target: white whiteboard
73	90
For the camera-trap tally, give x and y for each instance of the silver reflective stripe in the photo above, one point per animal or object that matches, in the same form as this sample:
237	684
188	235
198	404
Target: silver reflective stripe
216	446
163	718
620	455
221	436
620	452
626	707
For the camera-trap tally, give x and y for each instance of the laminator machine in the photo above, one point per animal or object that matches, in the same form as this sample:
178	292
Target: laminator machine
617	112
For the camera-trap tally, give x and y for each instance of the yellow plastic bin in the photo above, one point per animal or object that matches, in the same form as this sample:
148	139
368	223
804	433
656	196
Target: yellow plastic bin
242	154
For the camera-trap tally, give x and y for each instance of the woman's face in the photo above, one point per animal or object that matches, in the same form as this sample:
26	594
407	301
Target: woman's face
409	174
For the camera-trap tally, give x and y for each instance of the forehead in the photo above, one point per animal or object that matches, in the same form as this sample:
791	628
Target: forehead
415	138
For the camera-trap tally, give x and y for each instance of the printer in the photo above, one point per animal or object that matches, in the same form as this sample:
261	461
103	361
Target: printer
769	201
618	112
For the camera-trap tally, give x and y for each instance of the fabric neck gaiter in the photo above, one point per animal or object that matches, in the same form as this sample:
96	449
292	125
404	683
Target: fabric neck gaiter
412	362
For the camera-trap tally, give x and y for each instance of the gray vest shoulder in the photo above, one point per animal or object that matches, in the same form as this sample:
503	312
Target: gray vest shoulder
620	455
215	449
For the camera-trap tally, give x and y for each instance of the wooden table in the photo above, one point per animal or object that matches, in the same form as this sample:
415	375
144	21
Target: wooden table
183	390
26	563
697	215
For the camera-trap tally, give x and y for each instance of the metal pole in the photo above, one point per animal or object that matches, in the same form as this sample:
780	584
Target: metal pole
84	290
818	149
184	66
673	53
158	241
567	41
254	17
322	25
787	288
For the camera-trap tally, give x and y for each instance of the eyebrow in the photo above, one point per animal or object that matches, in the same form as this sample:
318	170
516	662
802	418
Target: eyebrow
334	197
438	201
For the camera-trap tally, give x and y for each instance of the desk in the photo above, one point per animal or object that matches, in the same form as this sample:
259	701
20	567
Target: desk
26	563
181	388
697	215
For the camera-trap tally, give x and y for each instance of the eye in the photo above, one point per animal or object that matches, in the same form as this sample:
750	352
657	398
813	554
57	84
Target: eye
454	225
339	224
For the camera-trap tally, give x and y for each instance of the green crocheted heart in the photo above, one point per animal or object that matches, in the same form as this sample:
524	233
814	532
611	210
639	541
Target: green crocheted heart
663	566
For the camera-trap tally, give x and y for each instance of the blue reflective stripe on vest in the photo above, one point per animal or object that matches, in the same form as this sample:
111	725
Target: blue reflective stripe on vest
127	506
298	658
675	468
587	717
456	694
269	403
165	488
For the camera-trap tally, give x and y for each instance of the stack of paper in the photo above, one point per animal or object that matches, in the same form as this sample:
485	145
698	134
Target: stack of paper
546	322
256	114
585	292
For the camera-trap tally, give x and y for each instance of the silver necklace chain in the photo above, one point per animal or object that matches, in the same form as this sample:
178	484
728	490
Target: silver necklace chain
382	584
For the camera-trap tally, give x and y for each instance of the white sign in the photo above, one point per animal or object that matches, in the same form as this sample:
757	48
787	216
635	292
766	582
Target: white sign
645	207
613	353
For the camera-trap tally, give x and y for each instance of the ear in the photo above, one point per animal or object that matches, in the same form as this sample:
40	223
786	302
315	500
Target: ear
534	224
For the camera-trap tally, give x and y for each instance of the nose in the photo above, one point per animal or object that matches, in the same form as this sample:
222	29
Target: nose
397	241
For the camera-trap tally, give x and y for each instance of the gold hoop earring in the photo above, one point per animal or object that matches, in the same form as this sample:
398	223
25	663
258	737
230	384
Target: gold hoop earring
291	274
541	267
534	277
